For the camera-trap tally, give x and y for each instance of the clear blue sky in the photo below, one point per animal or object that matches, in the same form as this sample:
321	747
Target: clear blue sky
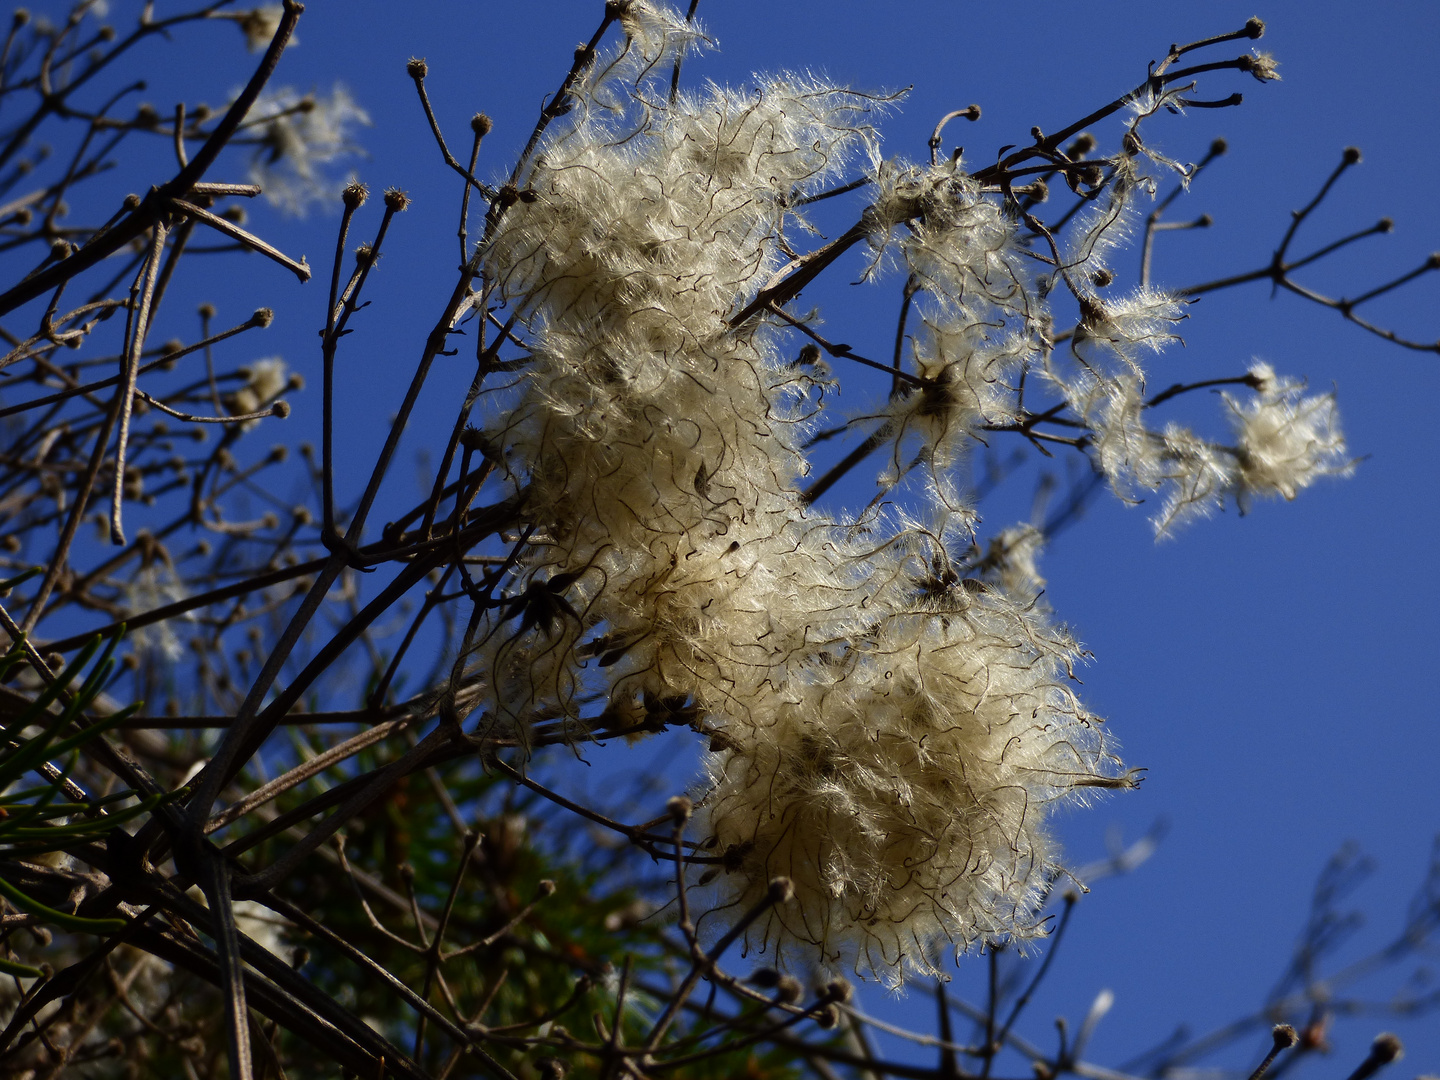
1275	673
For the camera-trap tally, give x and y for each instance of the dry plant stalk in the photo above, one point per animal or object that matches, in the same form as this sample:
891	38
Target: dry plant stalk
626	534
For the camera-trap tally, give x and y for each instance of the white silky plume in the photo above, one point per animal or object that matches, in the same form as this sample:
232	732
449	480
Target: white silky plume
889	723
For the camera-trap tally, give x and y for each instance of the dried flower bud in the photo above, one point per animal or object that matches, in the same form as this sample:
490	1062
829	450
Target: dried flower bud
481	124
1254	27
789	989
146	116
354	195
679	808
781	891
1351	155
765	978
828	1017
107	33
396	200
1284	1036
417	68
1386	1048
206	311
262	318
837	989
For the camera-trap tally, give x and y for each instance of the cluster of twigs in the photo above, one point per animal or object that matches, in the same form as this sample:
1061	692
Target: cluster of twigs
473	929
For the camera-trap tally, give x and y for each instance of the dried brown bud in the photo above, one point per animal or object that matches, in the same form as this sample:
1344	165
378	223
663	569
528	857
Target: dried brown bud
1254	26
765	978
417	68
781	890
262	318
1218	147
235	213
354	195
1386	1048
107	33
1083	144
1037	190
207	311
1385	225
1102	278
837	989
546	888
1351	156
809	354
20	18
481	124
396	200
679	808
788	989
146	116
828	1017
1284	1036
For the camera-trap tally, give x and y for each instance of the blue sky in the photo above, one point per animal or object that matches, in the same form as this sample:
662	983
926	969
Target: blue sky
1273	672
